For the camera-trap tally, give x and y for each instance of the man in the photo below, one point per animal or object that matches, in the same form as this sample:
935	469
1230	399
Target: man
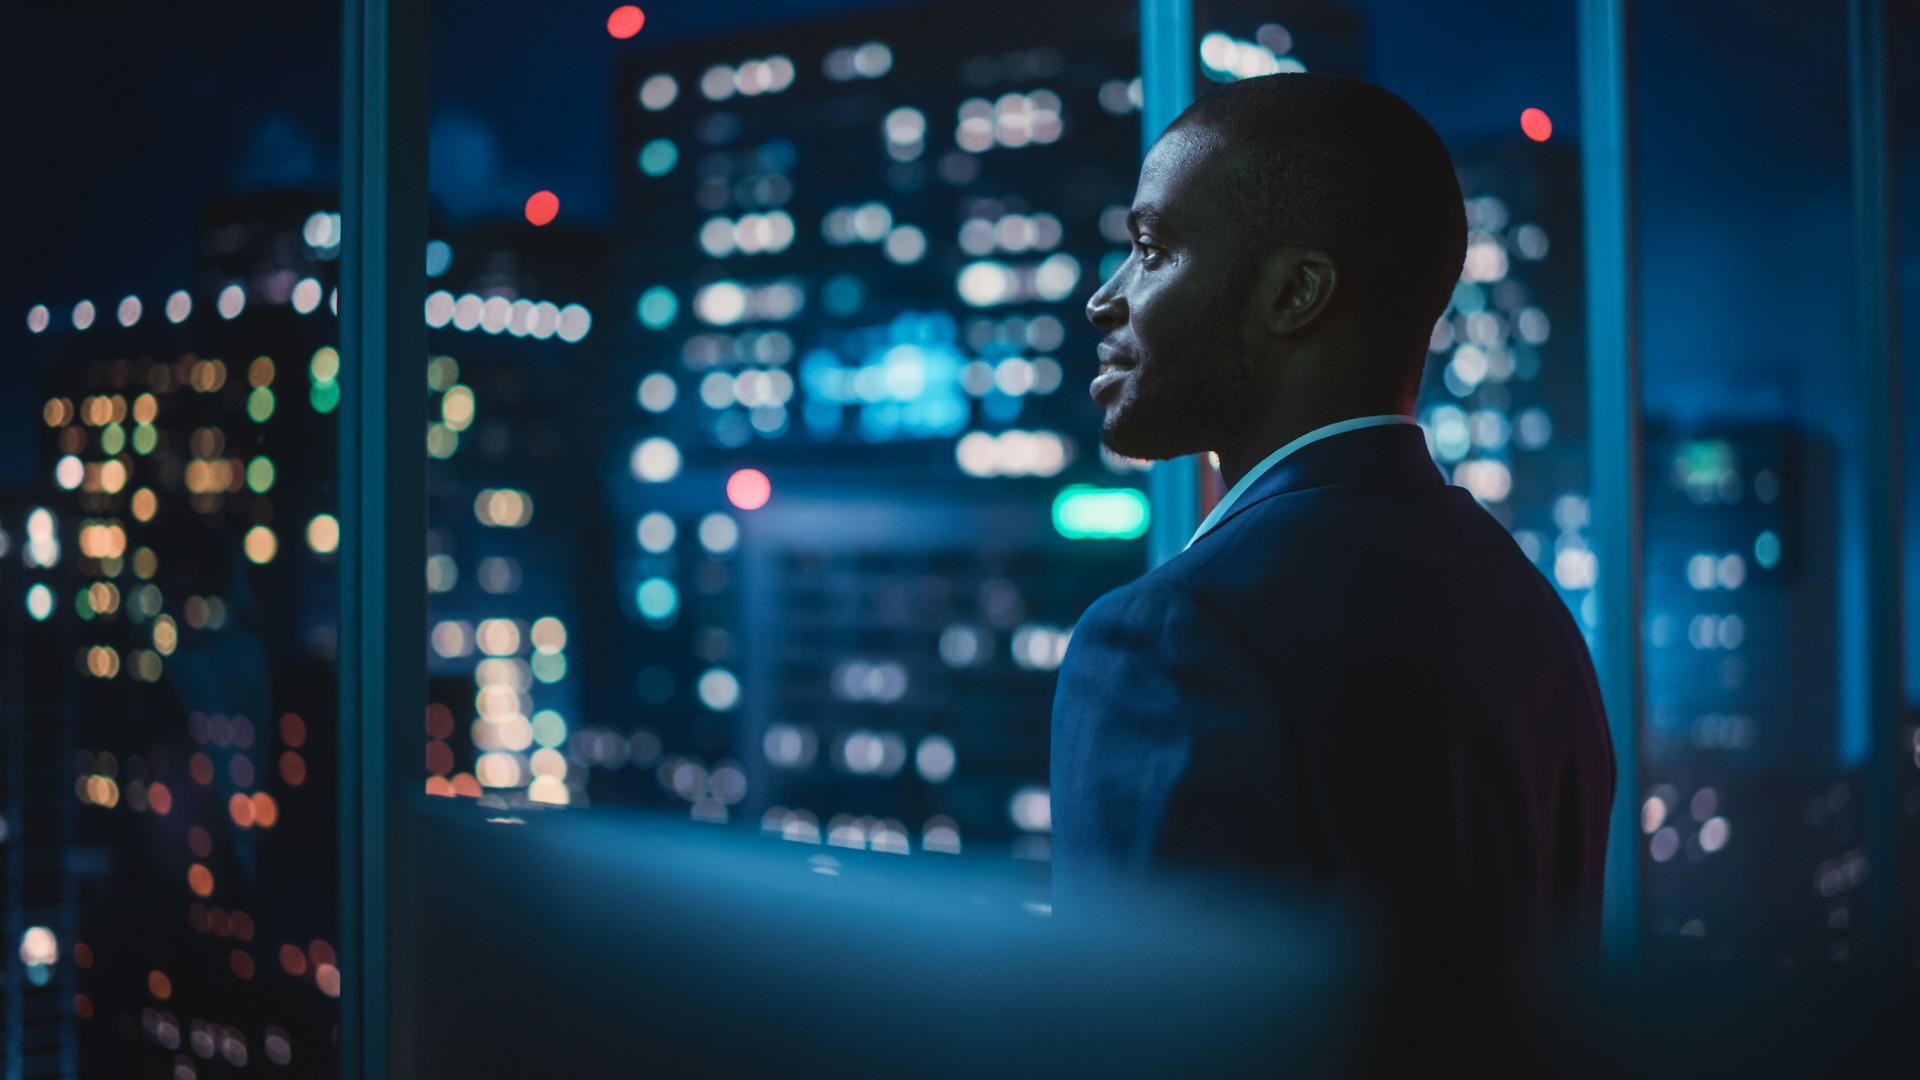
1352	677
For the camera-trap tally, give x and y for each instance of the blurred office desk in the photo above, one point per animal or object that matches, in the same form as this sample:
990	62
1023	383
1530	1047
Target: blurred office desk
609	943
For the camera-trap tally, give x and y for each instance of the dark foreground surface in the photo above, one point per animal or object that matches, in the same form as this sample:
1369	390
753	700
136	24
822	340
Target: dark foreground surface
606	945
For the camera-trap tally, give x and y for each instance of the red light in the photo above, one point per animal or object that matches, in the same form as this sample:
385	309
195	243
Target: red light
542	207
626	21
1536	125
749	489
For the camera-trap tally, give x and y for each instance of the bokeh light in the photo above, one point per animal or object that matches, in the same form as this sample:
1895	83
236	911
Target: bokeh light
542	207
719	690
719	533
656	598
1536	125
261	544
655	460
658	92
626	21
749	489
655	532
323	534
658	157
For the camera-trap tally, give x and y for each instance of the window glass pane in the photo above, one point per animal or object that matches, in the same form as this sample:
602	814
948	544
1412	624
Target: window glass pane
765	486
167	578
1752	800
1504	403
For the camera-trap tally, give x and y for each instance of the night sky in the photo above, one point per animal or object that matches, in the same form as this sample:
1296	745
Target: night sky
132	116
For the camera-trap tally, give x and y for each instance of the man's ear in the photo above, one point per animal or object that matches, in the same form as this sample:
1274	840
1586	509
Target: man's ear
1297	283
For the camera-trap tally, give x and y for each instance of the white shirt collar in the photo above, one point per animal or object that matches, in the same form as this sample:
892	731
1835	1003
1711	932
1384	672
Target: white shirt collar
1232	496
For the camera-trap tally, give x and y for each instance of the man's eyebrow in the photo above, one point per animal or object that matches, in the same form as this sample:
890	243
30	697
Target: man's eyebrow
1145	217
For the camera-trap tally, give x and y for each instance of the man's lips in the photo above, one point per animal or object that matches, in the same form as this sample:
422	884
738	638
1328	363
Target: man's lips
1114	369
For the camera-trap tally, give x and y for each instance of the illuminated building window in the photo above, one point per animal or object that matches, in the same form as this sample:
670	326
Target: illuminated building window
718	689
655	460
658	92
657	307
261	544
658	157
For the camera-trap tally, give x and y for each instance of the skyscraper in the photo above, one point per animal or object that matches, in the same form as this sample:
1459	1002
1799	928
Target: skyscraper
178	560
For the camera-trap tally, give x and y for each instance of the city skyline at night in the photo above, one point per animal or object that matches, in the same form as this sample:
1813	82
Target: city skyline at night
763	490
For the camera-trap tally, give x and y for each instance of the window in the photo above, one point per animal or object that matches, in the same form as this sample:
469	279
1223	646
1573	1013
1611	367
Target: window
759	491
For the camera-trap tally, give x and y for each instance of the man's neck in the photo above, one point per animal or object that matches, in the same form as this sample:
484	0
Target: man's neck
1236	461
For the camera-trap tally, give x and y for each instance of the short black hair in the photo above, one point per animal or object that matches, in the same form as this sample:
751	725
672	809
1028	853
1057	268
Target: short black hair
1346	166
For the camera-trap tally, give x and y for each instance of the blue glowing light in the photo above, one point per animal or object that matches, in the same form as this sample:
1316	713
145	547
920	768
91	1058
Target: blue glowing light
903	378
657	598
1082	512
657	307
658	157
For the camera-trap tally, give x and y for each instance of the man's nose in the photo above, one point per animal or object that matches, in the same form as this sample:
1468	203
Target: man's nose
1107	308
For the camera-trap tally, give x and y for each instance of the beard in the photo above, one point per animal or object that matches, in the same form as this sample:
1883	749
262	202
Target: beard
1202	396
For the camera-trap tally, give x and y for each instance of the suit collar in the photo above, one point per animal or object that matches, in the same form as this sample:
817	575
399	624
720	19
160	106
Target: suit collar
1387	452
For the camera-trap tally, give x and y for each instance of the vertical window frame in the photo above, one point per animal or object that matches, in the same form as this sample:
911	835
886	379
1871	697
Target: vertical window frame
382	659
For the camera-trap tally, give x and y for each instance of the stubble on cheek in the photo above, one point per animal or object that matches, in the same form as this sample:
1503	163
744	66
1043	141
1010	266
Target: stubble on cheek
1195	398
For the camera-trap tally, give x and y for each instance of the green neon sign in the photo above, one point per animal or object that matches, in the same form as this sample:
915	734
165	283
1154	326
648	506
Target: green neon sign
1084	512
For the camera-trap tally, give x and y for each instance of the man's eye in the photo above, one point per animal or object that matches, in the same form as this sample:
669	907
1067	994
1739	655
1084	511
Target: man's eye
1149	252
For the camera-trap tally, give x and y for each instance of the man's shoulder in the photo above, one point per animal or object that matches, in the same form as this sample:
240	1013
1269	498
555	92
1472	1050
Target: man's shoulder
1148	600
1168	612
1291	535
1324	554
1208	579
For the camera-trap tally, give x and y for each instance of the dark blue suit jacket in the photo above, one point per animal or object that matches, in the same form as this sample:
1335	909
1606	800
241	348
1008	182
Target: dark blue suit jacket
1355	680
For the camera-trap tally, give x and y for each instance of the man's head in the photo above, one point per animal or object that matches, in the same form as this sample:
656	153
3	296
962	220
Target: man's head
1295	237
